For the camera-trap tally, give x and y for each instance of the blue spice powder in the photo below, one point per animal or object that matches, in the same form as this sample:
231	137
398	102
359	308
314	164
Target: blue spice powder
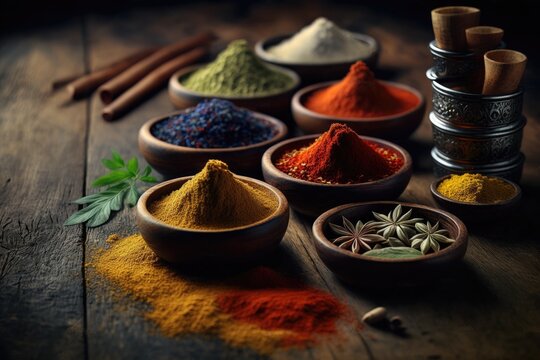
214	124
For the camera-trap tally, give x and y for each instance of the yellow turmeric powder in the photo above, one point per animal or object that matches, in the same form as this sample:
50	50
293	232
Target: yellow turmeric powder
180	305
476	188
215	199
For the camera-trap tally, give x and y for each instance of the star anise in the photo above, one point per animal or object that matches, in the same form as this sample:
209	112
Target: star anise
356	238
429	237
396	225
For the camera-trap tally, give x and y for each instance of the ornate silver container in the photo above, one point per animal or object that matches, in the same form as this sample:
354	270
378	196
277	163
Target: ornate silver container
475	110
450	65
510	169
477	146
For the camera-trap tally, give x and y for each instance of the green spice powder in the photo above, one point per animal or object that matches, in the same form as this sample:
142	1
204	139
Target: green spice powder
237	72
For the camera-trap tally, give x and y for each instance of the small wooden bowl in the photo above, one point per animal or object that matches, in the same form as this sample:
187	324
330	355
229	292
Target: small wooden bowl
211	247
275	104
312	199
174	160
311	73
476	212
369	271
398	126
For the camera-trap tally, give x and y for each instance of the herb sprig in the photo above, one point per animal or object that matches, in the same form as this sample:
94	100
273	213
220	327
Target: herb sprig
121	187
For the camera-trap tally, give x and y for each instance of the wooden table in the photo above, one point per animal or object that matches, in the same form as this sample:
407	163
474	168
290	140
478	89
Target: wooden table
50	151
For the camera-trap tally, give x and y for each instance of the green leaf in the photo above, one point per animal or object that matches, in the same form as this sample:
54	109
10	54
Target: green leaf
101	216
121	184
88	199
117	158
149	179
117	200
112	178
133	165
84	215
394	253
147	171
132	196
99	211
111	164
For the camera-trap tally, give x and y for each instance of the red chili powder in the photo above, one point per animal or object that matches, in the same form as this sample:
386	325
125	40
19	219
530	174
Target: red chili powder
283	304
360	95
340	156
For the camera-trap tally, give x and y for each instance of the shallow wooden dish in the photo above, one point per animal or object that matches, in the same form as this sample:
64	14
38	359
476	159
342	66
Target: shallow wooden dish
174	160
275	104
311	73
369	271
398	126
475	212
312	199
206	247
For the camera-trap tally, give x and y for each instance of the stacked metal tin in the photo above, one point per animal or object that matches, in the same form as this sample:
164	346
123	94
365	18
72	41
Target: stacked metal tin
472	132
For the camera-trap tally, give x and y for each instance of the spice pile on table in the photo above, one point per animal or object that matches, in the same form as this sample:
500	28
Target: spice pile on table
214	199
260	309
340	156
321	42
476	188
214	124
360	95
237	72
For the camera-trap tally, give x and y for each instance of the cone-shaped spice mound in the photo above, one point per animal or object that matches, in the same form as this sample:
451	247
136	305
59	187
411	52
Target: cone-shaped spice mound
238	72
215	199
340	156
360	95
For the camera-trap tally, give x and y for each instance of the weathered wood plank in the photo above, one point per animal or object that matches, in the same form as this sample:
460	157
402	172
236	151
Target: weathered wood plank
41	170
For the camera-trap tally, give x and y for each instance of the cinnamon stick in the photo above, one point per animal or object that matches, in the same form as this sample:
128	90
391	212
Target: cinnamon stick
111	89
150	83
86	84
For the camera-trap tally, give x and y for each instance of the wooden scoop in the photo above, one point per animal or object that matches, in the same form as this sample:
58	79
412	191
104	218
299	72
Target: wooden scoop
483	38
450	23
504	70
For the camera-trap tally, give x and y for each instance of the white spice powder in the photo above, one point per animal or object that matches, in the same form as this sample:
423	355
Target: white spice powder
321	42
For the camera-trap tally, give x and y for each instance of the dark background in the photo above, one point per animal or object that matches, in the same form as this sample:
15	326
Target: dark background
515	17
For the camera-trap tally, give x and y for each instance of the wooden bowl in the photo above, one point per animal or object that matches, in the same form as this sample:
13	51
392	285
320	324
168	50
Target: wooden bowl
476	212
275	104
174	160
370	271
312	199
398	126
311	73
211	247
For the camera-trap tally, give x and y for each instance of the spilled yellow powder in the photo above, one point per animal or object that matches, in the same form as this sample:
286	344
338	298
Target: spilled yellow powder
178	305
476	188
215	199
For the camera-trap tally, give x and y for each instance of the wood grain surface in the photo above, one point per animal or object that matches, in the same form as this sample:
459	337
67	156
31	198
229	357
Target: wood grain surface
51	306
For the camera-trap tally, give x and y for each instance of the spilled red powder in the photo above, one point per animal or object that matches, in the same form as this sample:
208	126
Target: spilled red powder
340	156
283	304
360	95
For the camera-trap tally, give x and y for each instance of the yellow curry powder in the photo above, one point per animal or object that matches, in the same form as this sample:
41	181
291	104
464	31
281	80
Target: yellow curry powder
476	188
178	305
215	199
